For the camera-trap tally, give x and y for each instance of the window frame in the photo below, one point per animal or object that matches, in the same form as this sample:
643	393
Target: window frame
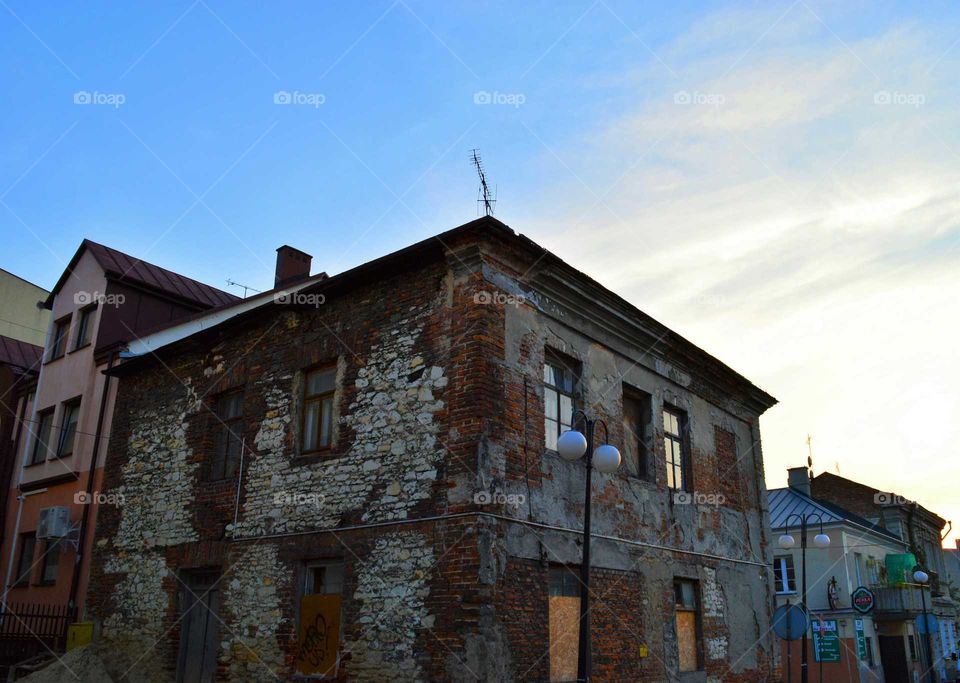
59	343
783	583
308	399
680	438
71	405
22	577
564	365
38	438
85	325
225	434
697	610
52	550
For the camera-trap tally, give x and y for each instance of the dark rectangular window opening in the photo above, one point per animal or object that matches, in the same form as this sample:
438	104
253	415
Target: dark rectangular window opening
319	391
68	428
228	445
637	414
675	449
44	429
85	326
58	342
560	379
50	563
28	543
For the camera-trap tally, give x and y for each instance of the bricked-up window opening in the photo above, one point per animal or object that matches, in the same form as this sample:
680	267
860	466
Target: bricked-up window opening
636	433
674	429
321	627
68	428
44	428
689	639
784	576
913	648
559	386
319	388
229	441
868	646
85	326
28	543
58	342
564	619
51	562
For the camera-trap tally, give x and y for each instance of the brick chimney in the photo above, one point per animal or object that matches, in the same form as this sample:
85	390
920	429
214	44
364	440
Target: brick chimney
798	478
293	266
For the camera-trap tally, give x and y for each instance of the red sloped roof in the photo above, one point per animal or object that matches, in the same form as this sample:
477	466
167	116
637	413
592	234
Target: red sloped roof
19	355
126	268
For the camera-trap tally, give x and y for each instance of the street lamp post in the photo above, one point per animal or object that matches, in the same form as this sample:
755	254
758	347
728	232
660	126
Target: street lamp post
922	578
821	540
572	446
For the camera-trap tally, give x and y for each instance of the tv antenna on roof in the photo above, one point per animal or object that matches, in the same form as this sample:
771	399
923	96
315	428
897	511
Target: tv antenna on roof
483	192
245	288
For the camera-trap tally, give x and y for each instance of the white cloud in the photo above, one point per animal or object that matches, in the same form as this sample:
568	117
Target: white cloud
803	230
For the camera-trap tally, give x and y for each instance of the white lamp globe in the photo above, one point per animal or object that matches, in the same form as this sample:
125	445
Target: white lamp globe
606	458
786	541
571	445
920	576
821	541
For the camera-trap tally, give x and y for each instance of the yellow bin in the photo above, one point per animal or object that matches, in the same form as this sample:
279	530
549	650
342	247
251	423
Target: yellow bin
79	634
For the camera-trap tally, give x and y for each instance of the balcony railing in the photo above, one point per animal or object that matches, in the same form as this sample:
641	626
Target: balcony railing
904	600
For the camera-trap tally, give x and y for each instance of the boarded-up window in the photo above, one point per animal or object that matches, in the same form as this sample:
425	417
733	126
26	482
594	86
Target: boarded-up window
636	432
687	607
564	622
320	625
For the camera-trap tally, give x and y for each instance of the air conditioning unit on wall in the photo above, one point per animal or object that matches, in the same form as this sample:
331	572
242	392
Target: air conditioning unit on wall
54	522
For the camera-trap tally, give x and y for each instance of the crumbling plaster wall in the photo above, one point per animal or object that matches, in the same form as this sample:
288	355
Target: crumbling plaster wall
385	465
639	510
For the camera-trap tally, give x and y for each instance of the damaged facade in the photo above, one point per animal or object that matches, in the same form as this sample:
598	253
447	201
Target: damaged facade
357	482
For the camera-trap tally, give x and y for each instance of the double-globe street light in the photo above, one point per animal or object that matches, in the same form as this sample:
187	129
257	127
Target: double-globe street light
572	446
922	578
787	541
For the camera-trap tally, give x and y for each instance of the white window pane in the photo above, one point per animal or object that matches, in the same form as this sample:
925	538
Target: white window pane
550	430
566	410
550	403
311	425
326	423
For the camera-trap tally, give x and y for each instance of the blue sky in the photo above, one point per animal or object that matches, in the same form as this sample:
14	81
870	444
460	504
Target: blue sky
776	181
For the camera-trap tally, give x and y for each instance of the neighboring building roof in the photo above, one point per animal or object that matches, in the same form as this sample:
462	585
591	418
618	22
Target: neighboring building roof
20	356
786	502
865	496
127	269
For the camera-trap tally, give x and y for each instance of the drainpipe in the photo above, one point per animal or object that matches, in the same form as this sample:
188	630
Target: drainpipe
21	410
94	456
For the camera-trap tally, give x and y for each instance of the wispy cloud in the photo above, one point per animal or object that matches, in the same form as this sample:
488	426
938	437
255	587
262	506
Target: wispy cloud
799	217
